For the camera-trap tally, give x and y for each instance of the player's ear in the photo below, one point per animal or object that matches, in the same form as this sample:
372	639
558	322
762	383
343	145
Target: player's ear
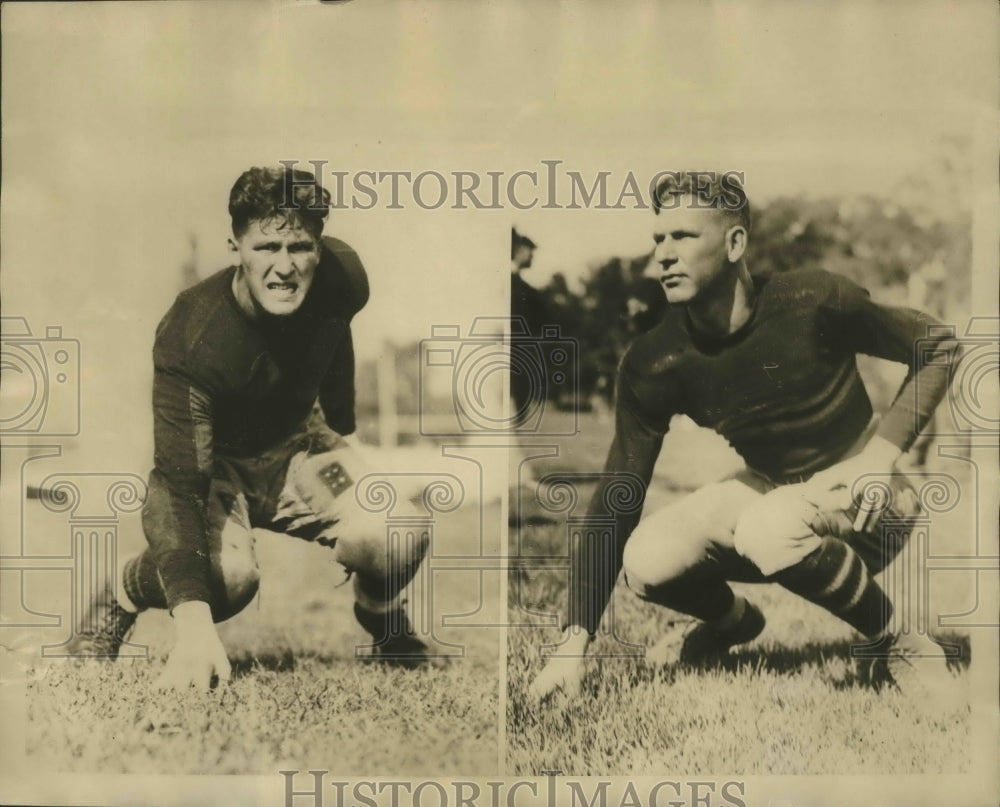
736	243
232	245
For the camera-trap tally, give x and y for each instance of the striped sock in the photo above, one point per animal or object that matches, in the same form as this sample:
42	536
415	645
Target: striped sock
834	576
142	582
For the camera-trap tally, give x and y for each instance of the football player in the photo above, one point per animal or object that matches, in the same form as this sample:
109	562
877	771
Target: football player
239	360
770	365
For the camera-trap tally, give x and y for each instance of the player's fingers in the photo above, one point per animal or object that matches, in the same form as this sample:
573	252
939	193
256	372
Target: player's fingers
831	522
201	678
224	671
169	680
179	679
826	499
166	679
570	684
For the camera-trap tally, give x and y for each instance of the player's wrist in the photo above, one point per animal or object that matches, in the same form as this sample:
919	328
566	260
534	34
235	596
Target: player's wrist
193	617
575	641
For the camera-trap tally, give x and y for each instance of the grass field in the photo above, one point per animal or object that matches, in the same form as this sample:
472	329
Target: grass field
298	699
791	702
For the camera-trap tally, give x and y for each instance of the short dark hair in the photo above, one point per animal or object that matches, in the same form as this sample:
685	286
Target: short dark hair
293	196
720	190
518	240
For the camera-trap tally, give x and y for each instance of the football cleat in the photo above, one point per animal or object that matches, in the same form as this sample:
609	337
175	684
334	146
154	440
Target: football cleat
103	628
705	646
917	669
395	642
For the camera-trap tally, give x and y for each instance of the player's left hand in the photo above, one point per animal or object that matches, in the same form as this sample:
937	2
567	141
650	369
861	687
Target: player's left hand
837	487
564	669
198	655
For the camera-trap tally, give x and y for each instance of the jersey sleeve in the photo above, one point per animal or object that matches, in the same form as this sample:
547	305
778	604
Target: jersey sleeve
902	335
336	394
350	279
599	548
175	520
645	400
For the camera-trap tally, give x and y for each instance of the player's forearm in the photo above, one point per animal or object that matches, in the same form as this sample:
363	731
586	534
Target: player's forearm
175	519
598	547
921	392
596	562
177	532
336	394
340	419
178	536
185	576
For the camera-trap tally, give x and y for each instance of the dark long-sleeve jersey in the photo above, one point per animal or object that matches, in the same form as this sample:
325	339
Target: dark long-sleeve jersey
226	384
784	390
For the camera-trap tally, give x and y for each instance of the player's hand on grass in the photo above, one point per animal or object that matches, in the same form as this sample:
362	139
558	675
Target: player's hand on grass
564	669
198	655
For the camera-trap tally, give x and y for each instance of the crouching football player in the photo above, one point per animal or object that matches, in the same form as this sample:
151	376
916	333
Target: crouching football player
240	359
770	365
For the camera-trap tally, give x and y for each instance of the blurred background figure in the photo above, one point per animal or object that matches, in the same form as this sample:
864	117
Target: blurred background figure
529	312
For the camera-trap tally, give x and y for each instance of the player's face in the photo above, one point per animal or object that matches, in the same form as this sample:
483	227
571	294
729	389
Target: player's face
690	250
277	263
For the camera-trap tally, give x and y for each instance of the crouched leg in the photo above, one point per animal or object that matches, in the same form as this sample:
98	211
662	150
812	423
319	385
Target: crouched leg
801	548
319	503
233	573
682	556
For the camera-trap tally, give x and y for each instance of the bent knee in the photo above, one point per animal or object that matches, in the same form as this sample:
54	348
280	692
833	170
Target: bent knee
650	562
753	529
236	580
382	554
630	565
641	588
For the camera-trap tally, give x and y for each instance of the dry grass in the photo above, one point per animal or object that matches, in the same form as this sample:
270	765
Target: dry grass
298	697
792	702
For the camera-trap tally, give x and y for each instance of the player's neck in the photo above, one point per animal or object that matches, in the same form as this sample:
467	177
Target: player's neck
728	307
